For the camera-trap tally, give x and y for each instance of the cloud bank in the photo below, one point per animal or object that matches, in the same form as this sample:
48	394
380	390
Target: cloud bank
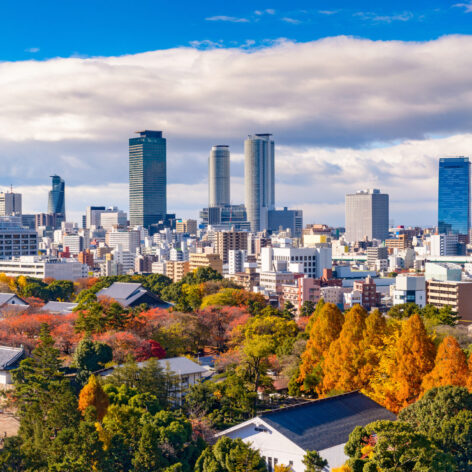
346	113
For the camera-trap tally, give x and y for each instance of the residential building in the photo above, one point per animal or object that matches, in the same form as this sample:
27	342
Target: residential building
10	358
259	179
33	266
445	245
219	176
402	242
177	270
274	280
126	240
147	178
367	215
56	201
206	260
409	289
303	290
368	291
334	294
454	195
285	435
74	243
249	278
10	204
230	240
45	220
457	295
236	259
186	226
15	240
86	257
374	254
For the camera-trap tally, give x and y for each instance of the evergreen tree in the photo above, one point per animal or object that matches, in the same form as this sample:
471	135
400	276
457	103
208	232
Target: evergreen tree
314	462
450	366
148	456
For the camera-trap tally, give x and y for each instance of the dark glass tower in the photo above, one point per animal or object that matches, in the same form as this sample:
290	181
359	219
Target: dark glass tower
454	195
56	201
147	178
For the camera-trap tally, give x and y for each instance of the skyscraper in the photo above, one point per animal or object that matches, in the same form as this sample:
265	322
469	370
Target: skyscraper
56	201
259	178
366	215
147	178
10	204
219	176
454	195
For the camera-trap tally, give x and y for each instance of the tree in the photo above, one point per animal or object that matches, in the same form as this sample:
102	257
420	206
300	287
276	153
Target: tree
307	309
314	315
148	456
148	349
444	414
394	447
408	359
91	356
343	365
282	468
403	311
230	455
324	331
93	395
313	462
450	366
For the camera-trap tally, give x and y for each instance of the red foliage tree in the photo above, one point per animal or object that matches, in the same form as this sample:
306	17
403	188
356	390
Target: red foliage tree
148	349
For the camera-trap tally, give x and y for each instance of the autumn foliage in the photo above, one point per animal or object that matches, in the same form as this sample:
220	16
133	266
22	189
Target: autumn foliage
93	395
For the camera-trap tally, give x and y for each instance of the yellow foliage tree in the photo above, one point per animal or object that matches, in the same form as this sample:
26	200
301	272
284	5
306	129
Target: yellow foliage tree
344	362
373	343
450	367
92	394
343	468
407	358
324	331
282	468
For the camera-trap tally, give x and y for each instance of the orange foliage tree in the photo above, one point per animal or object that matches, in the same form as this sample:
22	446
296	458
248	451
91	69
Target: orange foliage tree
324	331
92	394
343	365
407	359
450	367
373	342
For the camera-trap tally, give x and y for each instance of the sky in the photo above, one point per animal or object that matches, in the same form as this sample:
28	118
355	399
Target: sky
357	94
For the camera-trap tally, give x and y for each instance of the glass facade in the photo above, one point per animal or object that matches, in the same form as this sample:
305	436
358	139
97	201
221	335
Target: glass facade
454	195
147	178
56	202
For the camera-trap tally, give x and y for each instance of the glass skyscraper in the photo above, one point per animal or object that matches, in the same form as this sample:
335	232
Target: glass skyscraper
147	178
56	201
259	179
454	195
219	176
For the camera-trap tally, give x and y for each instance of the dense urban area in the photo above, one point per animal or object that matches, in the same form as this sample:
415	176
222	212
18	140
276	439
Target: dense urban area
242	341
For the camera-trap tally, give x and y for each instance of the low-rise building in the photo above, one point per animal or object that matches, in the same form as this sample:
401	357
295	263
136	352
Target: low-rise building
368	290
205	260
457	295
177	270
303	290
409	289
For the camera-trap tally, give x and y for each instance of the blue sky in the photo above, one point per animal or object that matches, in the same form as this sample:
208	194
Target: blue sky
64	28
349	107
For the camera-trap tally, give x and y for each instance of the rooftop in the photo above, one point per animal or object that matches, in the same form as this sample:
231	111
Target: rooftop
10	356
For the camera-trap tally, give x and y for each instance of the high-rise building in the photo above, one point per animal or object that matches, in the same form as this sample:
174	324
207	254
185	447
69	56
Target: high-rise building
219	176
147	178
366	215
10	204
454	195
92	216
259	177
56	201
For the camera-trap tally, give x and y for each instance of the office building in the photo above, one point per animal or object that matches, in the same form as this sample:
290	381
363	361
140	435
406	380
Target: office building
236	259
15	240
45	220
259	179
92	216
186	226
446	245
409	289
113	218
147	179
286	219
366	215
10	204
228	217
56	201
454	195
375	254
127	241
219	176
443	271
74	243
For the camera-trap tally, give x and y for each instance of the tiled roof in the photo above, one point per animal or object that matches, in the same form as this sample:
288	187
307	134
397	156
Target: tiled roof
59	307
10	356
321	424
127	293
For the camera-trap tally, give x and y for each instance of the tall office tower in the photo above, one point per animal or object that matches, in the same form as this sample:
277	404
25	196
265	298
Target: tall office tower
92	216
10	204
454	195
366	215
259	179
56	202
219	176
147	178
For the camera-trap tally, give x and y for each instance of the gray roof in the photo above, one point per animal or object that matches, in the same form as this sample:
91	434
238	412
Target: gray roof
321	424
127	293
59	307
180	366
10	356
5	299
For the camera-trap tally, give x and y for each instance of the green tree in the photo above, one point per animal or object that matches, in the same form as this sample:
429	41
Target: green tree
313	462
404	311
230	455
307	309
91	356
148	456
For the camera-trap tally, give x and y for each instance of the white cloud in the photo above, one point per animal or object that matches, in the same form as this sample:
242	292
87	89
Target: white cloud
371	16
231	19
467	6
346	113
32	50
293	21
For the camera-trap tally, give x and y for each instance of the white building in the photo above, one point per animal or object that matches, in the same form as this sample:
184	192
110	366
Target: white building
113	218
33	266
444	244
10	204
236	259
443	271
284	436
409	289
124	240
16	241
74	242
